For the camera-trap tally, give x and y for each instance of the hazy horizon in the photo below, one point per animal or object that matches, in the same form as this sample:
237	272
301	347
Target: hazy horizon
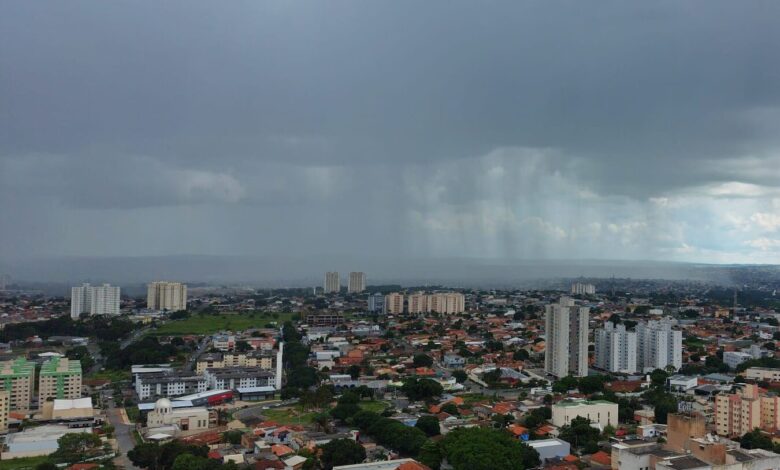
391	130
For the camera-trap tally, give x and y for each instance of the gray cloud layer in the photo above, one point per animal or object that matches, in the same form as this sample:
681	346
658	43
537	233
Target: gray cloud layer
510	129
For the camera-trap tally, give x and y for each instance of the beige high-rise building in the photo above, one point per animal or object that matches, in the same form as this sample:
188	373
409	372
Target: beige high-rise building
357	282
566	338
448	302
741	412
5	407
162	295
419	303
332	282
17	378
59	378
394	304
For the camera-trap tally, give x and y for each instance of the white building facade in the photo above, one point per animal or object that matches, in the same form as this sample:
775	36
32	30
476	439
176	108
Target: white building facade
95	300
658	345
616	349
566	335
332	283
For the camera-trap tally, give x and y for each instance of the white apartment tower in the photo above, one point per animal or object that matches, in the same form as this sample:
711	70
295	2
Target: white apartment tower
163	295
357	282
95	300
658	345
566	335
332	283
578	288
615	348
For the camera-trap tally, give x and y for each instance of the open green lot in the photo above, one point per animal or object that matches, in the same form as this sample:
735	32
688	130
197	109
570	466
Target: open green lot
22	463
374	405
207	324
293	415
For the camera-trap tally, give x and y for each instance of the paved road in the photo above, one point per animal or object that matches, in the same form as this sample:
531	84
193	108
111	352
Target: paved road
123	433
204	344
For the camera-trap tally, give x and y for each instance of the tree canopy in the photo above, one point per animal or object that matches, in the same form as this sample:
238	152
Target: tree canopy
487	449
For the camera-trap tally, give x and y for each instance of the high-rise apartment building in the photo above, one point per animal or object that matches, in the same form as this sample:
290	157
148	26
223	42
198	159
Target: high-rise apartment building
745	410
357	282
566	336
448	302
658	345
376	303
95	300
418	303
17	378
5	407
615	348
163	295
578	288
394	304
59	378
332	282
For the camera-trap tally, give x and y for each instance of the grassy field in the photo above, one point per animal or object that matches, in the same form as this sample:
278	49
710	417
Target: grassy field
294	415
23	463
112	375
374	405
207	324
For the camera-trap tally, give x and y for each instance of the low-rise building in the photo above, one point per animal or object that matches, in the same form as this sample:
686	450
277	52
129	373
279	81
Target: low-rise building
169	384
263	359
165	419
735	358
238	377
762	374
601	412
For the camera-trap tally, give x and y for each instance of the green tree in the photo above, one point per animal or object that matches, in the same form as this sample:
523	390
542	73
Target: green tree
460	376
422	360
431	455
450	408
232	437
428	424
341	452
756	439
580	434
421	389
75	447
565	384
344	411
354	371
243	346
487	449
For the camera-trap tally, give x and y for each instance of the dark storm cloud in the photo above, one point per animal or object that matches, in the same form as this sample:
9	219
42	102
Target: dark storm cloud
499	129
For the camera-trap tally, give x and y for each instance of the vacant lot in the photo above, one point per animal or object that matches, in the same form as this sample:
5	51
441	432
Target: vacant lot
207	324
23	463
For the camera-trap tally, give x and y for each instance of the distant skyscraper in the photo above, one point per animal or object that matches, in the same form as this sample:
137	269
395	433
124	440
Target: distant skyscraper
579	288
658	345
615	348
357	282
5	279
566	336
163	295
95	300
332	282
376	303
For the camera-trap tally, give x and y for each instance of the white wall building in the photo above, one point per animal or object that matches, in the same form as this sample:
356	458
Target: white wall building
658	345
95	300
615	348
332	282
735	358
579	288
601	412
357	282
566	335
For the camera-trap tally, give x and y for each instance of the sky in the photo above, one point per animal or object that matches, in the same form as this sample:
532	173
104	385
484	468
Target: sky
413	129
